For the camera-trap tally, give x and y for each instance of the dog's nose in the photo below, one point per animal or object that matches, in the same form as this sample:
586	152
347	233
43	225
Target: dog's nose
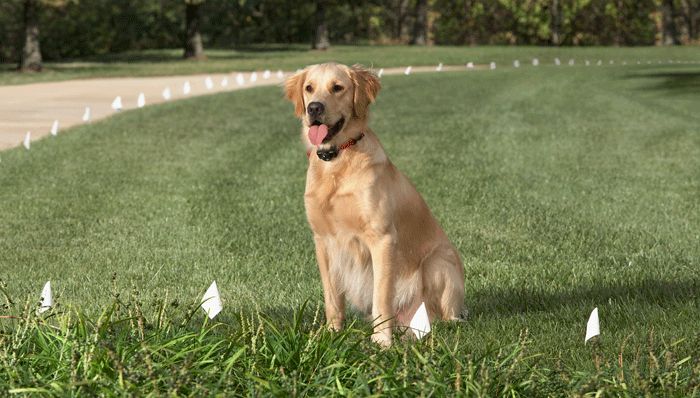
315	109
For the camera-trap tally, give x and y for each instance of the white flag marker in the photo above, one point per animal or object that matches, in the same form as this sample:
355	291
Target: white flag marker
593	326
420	323
254	77
186	88
46	299
557	62
492	66
86	114
380	73
516	64
117	103
407	71
600	62
571	62
588	63
224	82
439	67
27	140
208	83
167	94
612	62
239	79
535	62
266	74
54	128
280	74
141	101
470	65
211	301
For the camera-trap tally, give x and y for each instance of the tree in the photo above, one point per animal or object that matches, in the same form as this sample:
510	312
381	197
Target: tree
30	60
670	31
193	37
321	40
420	24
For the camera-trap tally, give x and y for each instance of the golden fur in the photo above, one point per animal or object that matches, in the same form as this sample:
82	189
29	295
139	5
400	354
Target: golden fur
377	244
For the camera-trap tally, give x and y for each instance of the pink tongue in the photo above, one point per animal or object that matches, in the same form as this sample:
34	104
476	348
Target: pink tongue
318	133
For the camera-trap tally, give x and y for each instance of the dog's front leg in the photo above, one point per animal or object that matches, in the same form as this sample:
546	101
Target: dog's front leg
383	253
334	301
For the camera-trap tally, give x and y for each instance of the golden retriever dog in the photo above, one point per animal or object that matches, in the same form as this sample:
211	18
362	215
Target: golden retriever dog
377	244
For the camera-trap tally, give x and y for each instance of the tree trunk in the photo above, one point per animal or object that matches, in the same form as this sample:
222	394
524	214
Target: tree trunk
400	19
556	23
31	53
471	33
321	41
193	42
688	12
420	25
670	30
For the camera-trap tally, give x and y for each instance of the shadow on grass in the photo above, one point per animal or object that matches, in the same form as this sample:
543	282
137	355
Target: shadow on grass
522	300
678	82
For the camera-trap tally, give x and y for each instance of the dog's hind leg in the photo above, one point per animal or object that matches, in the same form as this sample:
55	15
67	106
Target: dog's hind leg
443	284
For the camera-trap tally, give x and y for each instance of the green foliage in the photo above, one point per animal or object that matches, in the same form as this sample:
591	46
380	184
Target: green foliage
78	28
581	22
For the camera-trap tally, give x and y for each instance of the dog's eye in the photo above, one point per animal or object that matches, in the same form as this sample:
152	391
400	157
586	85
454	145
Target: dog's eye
337	88
309	88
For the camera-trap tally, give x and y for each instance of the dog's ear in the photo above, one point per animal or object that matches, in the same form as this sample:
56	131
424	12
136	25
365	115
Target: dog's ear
294	91
366	89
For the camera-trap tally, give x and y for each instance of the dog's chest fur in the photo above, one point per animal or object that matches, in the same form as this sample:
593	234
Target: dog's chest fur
338	213
333	201
334	210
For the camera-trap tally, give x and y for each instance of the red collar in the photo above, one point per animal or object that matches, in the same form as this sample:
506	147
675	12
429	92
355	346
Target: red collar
346	145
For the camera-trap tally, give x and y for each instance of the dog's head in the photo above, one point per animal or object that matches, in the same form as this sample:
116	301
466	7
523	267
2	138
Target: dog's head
331	100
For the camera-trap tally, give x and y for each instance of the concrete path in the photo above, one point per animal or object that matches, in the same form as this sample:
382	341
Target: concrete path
34	107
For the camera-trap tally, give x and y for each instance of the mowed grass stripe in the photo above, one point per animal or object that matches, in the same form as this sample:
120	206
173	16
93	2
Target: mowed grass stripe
568	200
149	185
563	188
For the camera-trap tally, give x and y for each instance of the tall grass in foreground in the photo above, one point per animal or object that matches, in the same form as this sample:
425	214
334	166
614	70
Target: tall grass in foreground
164	347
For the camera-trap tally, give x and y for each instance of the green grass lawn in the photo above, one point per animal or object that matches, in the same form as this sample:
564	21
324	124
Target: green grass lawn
291	57
563	188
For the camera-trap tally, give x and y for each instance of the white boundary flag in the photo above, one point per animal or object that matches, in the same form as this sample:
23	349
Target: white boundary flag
27	140
54	128
46	298
420	323
593	326
211	301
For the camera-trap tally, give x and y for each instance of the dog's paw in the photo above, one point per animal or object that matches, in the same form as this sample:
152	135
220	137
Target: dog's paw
382	338
335	326
463	315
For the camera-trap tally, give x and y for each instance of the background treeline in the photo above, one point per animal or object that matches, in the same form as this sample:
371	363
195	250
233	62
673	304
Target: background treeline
76	28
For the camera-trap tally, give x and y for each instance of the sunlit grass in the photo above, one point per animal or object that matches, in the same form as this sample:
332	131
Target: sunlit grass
564	189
